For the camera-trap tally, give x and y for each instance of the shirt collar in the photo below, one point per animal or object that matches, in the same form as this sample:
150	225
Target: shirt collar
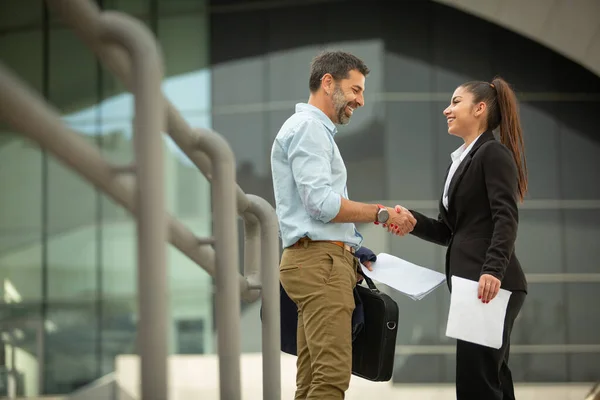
462	152
309	108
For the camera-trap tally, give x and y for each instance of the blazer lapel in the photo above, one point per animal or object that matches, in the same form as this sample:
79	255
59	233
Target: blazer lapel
458	177
443	211
464	165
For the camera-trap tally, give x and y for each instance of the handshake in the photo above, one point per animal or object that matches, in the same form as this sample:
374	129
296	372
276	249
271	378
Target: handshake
399	222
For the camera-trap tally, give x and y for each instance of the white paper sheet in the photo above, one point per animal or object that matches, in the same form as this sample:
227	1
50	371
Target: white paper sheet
471	320
409	279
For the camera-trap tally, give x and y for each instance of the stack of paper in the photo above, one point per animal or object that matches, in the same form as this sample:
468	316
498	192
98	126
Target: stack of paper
473	321
409	279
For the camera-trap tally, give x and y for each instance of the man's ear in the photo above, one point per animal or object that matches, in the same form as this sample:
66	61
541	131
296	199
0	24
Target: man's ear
327	83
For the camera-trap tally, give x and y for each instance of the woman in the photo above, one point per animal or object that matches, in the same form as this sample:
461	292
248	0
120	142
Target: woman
478	222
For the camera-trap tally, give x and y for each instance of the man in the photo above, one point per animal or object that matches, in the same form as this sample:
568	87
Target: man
318	269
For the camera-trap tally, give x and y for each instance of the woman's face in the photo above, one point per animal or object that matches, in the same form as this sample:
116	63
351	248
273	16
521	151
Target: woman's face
462	115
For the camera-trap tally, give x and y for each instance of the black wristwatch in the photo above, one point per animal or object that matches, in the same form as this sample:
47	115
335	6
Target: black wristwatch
382	215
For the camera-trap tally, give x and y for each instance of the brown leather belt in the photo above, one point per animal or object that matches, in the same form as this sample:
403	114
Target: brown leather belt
301	243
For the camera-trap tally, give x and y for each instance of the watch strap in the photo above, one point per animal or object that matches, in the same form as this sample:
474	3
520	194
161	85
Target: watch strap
381	207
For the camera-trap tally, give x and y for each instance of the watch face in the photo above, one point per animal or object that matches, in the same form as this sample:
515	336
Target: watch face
383	215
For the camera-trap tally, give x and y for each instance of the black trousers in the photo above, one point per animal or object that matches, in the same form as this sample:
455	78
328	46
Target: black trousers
482	373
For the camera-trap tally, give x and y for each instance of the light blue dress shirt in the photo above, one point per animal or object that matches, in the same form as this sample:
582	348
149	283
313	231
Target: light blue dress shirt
309	179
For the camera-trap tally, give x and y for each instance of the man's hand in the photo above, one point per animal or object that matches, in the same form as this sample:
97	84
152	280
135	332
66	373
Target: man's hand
401	221
489	286
359	276
368	265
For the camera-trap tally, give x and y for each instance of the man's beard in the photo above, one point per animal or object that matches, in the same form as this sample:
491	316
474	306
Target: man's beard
340	104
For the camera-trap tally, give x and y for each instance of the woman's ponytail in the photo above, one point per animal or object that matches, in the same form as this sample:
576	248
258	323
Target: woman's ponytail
511	133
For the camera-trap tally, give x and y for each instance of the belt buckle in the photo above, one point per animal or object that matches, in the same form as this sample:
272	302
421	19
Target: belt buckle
349	248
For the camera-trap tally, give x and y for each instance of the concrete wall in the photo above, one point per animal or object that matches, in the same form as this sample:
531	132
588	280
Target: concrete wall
185	385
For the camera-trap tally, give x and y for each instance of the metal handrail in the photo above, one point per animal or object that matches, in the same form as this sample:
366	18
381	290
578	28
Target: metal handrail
81	17
28	113
271	338
226	252
136	38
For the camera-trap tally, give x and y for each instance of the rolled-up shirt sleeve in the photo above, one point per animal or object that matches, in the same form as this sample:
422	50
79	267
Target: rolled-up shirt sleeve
310	154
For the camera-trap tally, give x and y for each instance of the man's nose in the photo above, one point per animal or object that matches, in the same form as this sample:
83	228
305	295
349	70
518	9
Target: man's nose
360	99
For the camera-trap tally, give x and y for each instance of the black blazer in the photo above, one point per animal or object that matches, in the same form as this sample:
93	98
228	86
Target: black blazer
480	226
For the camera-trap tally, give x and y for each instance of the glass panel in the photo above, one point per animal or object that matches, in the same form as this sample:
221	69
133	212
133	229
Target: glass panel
178	8
408	58
117	250
423	368
584	367
507	60
525	368
244	134
582	230
21	242
582	315
183	36
543	318
541	132
72	338
118	282
20	15
549	368
138	8
539	246
410	141
118	256
455	62
580	147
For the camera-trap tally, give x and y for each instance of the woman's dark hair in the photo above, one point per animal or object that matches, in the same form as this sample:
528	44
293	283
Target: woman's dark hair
337	63
503	112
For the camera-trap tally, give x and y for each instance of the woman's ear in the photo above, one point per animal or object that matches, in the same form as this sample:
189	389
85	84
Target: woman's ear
480	108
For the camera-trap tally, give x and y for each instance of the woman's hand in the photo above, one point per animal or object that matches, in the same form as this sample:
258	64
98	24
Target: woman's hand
489	286
401	221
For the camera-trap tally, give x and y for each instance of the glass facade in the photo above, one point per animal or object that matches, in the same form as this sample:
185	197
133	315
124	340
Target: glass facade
396	150
68	253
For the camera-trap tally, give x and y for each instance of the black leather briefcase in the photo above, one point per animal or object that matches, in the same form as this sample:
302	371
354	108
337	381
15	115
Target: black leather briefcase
374	348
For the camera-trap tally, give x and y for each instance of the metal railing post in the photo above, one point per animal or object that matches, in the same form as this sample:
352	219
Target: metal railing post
153	289
252	255
271	328
226	257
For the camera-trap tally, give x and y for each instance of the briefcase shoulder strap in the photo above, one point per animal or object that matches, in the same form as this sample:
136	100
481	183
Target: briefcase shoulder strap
371	284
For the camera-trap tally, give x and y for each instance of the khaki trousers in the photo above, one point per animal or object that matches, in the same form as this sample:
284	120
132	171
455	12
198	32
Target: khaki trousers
320	277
